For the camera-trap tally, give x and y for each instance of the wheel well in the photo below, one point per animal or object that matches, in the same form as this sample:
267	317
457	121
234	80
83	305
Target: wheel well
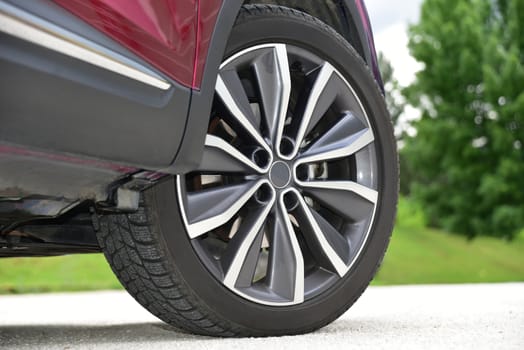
335	13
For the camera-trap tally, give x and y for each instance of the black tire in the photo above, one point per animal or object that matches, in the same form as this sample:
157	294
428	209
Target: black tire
151	253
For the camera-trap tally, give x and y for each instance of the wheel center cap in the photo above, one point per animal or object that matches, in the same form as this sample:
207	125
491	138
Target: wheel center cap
280	174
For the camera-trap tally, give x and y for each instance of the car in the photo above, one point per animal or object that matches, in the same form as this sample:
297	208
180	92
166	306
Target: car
234	160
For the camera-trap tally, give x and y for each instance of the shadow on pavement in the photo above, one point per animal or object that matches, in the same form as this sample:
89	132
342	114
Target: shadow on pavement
42	336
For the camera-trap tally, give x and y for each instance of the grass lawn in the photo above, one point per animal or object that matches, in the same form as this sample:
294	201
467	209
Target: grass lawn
416	255
431	256
55	274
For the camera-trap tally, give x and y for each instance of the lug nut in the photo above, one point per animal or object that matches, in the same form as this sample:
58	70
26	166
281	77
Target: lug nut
302	172
287	146
291	201
260	157
264	194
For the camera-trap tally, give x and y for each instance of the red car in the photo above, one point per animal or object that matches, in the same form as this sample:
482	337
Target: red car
234	160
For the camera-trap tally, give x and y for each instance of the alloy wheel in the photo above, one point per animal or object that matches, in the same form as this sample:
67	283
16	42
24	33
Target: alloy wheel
284	199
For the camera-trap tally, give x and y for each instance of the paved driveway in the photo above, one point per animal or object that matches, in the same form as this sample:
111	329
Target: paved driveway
484	316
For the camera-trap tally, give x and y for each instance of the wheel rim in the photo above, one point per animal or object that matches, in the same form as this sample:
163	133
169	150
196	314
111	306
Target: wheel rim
285	196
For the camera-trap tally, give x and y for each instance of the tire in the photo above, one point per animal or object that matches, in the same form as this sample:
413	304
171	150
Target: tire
164	261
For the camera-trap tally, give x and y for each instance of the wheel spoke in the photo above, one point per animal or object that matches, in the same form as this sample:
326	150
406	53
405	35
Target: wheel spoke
325	240
286	264
336	143
209	209
241	256
367	193
324	101
274	82
221	157
349	199
314	110
230	90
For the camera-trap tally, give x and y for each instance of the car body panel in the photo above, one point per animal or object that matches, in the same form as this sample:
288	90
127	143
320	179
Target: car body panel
172	35
78	125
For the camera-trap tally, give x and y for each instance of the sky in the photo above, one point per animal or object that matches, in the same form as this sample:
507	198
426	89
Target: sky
390	20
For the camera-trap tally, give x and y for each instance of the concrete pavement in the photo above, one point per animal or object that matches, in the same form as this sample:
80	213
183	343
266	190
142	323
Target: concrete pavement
483	316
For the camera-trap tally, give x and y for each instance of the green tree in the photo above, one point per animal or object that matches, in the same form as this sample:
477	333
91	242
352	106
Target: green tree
468	152
396	104
393	95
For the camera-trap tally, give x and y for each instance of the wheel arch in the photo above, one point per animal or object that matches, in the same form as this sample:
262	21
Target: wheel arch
348	17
